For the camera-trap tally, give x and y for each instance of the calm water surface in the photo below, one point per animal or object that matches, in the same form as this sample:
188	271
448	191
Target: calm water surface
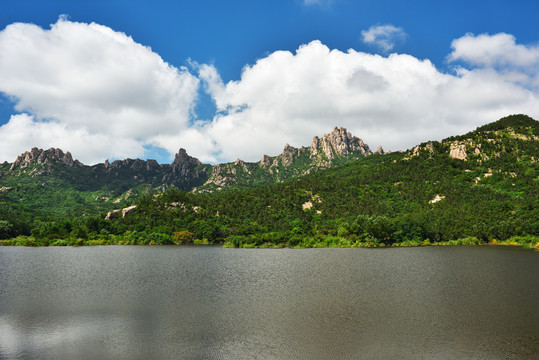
121	302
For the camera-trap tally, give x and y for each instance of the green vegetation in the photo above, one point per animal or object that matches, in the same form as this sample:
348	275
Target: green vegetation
420	197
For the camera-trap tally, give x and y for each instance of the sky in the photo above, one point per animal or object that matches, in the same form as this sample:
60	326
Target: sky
229	80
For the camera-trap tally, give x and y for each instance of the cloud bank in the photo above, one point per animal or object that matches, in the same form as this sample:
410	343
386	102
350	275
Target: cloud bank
97	93
92	82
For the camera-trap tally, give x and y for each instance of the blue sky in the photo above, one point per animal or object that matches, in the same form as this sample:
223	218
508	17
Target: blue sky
221	114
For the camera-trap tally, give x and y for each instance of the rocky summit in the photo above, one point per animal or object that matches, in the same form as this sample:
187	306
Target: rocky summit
337	147
338	143
40	156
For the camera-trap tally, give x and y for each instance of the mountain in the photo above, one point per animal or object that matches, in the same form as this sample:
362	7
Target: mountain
185	172
479	186
188	173
469	189
50	184
332	149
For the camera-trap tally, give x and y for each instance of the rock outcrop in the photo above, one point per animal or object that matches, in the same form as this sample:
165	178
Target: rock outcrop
113	214
182	172
116	213
427	147
436	199
338	143
40	156
128	210
457	150
184	165
288	155
292	162
265	162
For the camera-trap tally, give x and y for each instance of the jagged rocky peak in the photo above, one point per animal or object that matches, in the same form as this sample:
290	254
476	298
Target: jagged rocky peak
338	143
182	158
379	150
184	164
289	152
40	156
241	164
265	162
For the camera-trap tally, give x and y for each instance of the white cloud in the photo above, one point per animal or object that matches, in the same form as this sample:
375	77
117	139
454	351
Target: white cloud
98	94
92	80
383	36
397	101
494	50
24	132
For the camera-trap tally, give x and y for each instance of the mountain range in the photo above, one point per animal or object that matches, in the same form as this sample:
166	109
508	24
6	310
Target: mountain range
188	173
333	181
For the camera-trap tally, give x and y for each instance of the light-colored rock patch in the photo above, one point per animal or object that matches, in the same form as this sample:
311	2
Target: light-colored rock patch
307	205
436	199
458	150
128	210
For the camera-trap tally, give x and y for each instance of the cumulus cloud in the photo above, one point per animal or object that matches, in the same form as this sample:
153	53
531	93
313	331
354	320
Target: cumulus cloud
397	101
494	50
383	36
24	131
90	79
98	94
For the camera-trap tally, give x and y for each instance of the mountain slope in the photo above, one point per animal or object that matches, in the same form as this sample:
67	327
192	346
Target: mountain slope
480	186
332	149
49	184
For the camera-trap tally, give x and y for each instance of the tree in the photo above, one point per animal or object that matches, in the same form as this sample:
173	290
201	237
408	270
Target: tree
5	229
183	237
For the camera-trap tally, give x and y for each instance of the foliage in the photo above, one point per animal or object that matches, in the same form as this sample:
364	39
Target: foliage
491	197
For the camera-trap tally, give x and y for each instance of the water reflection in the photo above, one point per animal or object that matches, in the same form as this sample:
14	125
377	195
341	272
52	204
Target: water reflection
212	303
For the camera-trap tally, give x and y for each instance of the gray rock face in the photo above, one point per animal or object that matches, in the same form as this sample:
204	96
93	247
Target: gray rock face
379	150
40	156
183	164
265	162
181	172
288	155
338	143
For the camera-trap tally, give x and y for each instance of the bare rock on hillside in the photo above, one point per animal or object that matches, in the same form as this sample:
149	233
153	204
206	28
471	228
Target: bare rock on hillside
40	156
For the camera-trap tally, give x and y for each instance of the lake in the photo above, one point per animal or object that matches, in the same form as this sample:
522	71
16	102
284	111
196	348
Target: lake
136	302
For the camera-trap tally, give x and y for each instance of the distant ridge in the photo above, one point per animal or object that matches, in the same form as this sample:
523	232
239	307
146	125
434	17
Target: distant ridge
188	173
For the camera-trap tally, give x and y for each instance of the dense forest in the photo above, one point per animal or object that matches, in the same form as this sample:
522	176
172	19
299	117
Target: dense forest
481	187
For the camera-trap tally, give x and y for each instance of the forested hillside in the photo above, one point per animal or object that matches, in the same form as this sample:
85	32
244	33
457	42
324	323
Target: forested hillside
474	188
48	185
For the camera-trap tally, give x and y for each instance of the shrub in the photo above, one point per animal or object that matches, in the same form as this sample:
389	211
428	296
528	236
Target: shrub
183	237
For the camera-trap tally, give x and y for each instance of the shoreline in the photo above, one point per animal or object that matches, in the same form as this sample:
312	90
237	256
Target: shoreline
526	242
